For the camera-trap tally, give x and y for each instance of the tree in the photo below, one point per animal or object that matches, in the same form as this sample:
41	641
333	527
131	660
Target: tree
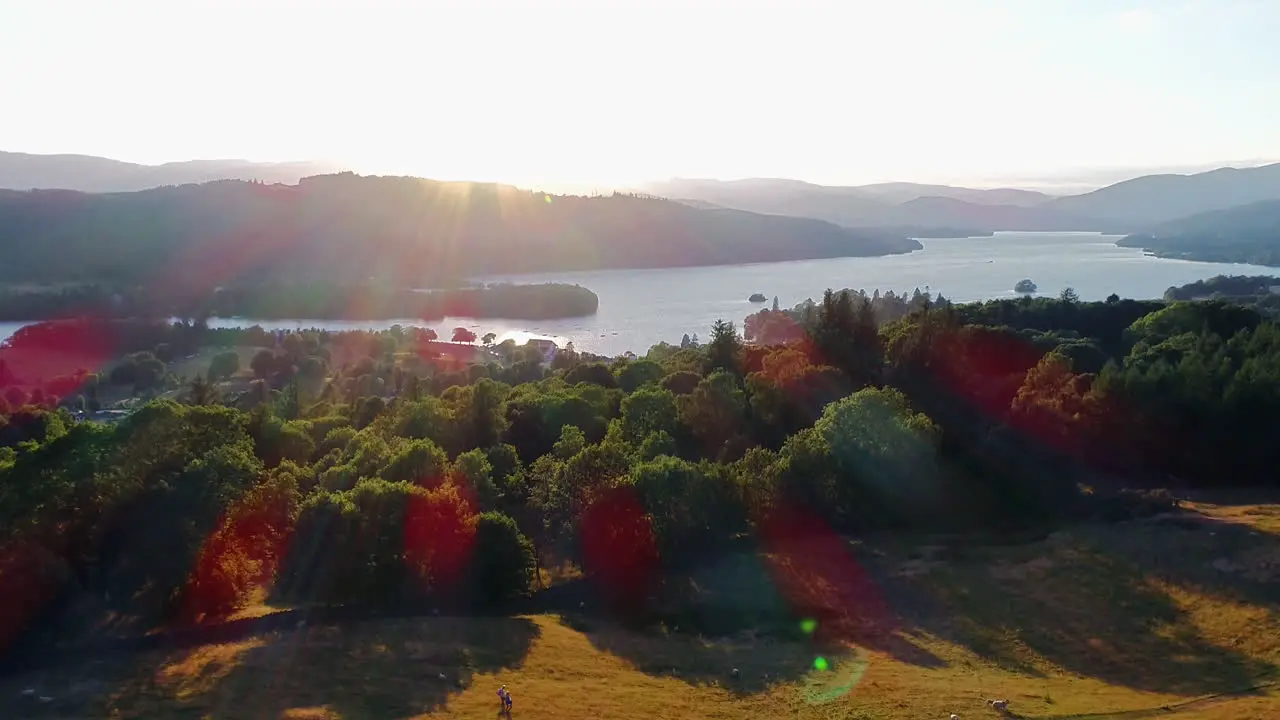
488	339
463	335
263	363
632	375
870	459
571	442
421	462
224	365
724	350
503	567
1069	296
647	411
597	373
716	410
473	470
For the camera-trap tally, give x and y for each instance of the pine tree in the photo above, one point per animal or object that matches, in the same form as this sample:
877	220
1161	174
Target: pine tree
724	350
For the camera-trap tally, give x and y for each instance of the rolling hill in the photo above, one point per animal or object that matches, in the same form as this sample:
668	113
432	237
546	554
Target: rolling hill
25	171
1246	234
400	230
1154	199
1127	206
923	208
901	192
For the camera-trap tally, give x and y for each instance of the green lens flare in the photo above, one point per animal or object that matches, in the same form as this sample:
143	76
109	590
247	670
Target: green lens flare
808	625
820	663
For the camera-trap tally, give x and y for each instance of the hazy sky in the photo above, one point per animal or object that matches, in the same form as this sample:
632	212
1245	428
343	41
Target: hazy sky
604	91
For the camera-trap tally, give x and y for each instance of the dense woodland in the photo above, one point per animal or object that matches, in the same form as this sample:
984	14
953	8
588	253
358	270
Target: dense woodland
405	232
1257	292
367	469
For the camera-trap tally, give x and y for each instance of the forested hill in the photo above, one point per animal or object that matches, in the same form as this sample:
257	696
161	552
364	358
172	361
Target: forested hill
1245	234
406	230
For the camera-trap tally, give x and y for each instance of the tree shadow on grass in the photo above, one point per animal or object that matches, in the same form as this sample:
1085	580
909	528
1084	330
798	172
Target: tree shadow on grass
775	617
1084	609
389	668
760	662
1225	557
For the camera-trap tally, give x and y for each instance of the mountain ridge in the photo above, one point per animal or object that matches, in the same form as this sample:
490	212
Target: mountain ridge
404	231
1124	207
90	173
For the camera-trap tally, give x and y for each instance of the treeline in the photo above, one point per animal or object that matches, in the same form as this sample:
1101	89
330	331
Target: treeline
321	300
1224	287
387	479
405	232
68	362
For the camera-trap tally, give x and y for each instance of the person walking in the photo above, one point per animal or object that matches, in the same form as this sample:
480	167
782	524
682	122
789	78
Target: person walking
504	697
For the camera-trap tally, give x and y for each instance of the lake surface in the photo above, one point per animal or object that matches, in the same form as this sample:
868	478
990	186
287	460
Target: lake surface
639	308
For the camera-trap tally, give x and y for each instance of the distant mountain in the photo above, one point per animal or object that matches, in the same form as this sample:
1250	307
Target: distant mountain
1245	234
24	171
403	231
950	212
929	208
1153	199
901	192
840	205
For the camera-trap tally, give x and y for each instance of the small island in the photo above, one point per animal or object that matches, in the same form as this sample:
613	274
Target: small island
1025	286
757	298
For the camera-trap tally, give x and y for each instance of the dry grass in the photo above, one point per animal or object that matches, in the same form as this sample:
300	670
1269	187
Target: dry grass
1112	621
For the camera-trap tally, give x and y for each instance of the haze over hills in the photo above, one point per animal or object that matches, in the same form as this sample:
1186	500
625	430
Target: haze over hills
406	231
882	205
1127	206
1134	205
86	173
1153	199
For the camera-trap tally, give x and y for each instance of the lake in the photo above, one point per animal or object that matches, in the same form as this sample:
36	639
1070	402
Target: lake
639	308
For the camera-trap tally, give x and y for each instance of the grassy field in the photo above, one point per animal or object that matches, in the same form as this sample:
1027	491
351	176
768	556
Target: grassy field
1171	617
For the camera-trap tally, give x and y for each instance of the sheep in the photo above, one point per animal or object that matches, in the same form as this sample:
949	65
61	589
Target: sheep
999	705
955	716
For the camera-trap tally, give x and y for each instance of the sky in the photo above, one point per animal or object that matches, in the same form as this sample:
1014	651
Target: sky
612	92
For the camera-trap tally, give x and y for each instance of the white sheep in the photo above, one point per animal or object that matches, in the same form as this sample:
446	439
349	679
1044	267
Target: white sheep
999	705
955	716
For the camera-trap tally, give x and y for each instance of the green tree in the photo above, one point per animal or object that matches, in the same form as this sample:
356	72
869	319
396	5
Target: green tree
504	564
647	411
724	350
716	411
224	365
421	462
473	470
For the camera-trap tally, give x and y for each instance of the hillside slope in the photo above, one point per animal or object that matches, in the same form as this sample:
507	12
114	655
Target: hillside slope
904	205
400	230
1245	234
1154	199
